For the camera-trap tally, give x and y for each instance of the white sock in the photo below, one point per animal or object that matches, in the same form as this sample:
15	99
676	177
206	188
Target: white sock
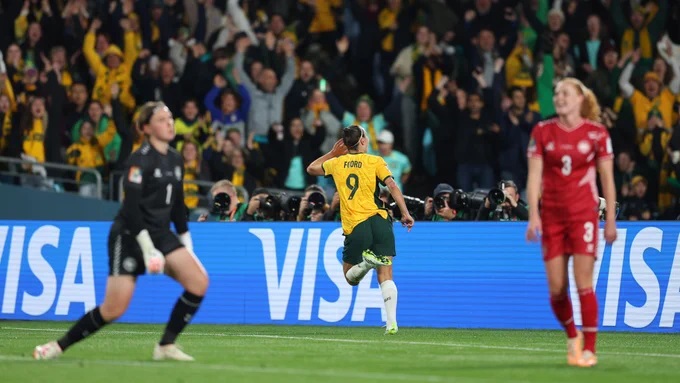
389	293
358	271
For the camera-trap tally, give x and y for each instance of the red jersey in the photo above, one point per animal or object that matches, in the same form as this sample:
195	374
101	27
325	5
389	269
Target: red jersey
569	189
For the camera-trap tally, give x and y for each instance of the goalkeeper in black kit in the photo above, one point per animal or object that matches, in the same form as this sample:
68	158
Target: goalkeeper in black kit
140	241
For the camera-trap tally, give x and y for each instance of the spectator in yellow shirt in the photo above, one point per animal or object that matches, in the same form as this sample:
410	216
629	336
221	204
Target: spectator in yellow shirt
192	172
38	12
5	122
33	126
88	153
323	25
37	137
104	124
190	126
654	96
26	140
115	66
324	19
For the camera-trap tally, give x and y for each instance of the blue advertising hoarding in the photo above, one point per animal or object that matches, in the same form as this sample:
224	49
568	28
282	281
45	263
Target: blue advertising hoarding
467	275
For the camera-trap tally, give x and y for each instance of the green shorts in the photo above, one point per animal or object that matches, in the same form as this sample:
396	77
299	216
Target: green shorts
373	234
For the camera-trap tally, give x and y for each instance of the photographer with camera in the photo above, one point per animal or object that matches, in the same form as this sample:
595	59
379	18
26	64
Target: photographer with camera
438	208
312	206
503	204
268	206
262	206
415	206
225	205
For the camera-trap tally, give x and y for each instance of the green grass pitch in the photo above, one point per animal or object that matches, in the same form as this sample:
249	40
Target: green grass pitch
282	354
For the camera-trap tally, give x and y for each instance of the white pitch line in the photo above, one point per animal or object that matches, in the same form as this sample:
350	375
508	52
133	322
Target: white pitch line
257	370
366	341
457	345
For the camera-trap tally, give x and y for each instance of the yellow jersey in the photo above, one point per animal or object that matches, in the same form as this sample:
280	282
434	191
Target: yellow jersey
5	131
91	155
34	141
191	172
324	19
104	76
642	106
357	178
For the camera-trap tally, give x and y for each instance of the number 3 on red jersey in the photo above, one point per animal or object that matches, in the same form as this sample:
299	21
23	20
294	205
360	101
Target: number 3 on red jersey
569	163
566	165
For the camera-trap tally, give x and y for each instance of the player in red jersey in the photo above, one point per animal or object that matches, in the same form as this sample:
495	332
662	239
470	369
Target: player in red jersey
565	153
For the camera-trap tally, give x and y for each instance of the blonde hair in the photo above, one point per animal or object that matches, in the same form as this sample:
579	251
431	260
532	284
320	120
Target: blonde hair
223	184
590	108
147	111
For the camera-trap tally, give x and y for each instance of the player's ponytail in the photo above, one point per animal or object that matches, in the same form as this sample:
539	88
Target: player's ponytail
351	136
590	108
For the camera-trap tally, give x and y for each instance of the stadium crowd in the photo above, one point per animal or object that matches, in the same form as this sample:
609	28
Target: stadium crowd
448	90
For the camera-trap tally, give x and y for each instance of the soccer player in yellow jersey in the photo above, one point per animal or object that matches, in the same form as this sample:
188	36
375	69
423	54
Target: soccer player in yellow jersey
369	240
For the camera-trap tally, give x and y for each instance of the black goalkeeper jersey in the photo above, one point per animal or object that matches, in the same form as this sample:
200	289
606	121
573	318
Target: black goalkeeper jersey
154	195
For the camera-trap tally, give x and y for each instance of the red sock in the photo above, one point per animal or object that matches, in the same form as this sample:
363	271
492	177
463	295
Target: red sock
561	306
589	318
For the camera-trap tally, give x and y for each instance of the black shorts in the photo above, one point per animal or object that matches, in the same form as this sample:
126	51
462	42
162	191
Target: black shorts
125	255
373	234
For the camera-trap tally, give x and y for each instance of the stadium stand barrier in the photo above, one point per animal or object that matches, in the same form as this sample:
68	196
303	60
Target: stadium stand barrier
38	175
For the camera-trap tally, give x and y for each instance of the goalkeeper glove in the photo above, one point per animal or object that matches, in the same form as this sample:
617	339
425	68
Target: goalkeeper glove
153	258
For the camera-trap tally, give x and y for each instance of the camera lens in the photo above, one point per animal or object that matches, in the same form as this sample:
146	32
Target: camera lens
439	202
268	203
294	204
221	203
496	196
459	200
316	200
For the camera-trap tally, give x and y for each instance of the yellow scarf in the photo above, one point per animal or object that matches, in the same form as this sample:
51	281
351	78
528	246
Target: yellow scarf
9	92
190	189
534	107
238	177
428	85
6	128
34	141
155	32
138	43
370	129
19	73
191	170
628	42
386	19
66	79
